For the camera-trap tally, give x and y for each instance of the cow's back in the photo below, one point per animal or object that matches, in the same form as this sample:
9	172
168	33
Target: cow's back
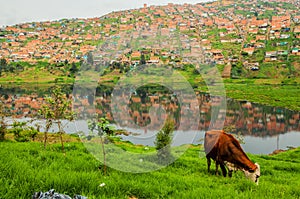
211	140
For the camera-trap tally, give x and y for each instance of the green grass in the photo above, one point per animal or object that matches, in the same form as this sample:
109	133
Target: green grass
264	91
35	75
27	168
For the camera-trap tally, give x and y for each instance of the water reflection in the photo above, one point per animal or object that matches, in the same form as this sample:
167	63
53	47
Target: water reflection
268	127
248	118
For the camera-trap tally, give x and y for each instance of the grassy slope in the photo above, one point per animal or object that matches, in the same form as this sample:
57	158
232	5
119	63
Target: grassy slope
34	75
26	168
273	93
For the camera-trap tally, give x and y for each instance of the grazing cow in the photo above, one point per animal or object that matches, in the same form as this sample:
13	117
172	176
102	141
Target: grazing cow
225	150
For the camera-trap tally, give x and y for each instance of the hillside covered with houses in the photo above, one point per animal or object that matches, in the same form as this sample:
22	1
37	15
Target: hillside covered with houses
251	38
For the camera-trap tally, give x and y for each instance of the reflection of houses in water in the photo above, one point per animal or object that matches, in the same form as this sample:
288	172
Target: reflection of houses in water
22	106
248	118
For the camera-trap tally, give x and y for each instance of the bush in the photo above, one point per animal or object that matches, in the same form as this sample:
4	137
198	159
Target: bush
26	135
163	142
23	133
3	126
3	131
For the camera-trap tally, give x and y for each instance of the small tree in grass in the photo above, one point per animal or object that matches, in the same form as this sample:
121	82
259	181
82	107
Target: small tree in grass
163	142
3	125
56	109
104	130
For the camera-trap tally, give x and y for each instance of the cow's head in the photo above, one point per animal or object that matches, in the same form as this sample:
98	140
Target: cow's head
253	175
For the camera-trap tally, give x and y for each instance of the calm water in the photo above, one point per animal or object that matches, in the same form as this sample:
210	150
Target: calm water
263	128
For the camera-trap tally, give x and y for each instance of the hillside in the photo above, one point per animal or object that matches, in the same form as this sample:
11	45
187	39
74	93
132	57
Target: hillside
248	39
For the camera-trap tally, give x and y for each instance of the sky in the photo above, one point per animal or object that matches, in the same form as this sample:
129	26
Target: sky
20	11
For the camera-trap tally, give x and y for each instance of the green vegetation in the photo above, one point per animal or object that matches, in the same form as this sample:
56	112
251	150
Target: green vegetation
265	91
3	125
41	73
23	133
281	91
104	130
163	142
56	109
243	12
27	168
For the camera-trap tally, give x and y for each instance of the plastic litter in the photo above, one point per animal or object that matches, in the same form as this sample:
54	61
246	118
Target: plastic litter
51	194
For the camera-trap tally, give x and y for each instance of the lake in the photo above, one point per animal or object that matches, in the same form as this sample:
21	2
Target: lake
263	128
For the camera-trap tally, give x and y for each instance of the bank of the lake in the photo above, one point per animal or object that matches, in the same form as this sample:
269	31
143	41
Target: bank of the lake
27	168
276	93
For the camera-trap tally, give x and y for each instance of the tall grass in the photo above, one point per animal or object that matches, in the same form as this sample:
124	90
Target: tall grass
26	168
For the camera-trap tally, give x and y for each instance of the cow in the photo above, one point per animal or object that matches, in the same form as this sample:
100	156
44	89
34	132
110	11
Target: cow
226	151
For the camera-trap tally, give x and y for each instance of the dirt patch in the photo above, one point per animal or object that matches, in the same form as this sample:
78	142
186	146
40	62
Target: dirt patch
277	151
296	66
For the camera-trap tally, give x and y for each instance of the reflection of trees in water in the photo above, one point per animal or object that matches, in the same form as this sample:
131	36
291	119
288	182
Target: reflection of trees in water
260	120
247	118
29	89
25	100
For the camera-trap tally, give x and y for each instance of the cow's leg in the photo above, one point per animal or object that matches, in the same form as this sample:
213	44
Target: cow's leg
208	164
230	173
217	167
224	171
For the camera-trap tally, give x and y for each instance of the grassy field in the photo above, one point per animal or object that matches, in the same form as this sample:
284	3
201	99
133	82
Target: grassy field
268	92
27	168
35	75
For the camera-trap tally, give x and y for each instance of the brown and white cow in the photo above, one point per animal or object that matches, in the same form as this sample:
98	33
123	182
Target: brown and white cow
225	150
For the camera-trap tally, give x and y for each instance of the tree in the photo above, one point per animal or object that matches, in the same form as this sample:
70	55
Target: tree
73	68
19	67
104	130
3	65
11	68
163	142
66	62
3	125
56	109
3	62
90	58
143	60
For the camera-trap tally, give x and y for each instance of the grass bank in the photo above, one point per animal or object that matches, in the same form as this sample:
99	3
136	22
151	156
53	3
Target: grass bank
26	168
270	92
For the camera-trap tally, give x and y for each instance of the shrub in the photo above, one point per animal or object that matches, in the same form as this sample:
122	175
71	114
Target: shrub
23	133
163	142
3	125
3	131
